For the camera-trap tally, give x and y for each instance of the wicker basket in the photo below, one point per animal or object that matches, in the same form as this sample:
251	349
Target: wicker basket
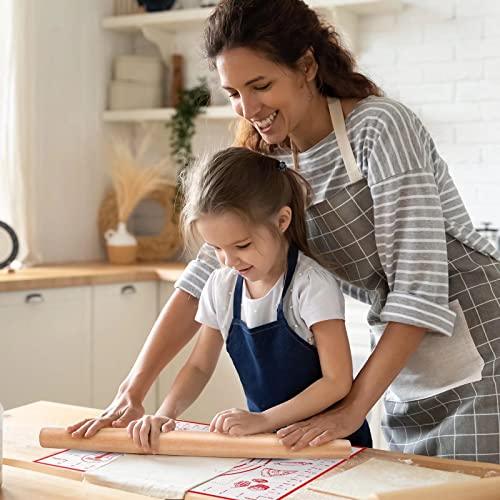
163	246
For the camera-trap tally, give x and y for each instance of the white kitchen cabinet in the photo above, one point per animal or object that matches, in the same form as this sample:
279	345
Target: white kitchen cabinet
123	315
45	346
359	339
222	392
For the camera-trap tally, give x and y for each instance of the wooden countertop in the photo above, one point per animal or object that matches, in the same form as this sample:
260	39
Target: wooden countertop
87	273
22	425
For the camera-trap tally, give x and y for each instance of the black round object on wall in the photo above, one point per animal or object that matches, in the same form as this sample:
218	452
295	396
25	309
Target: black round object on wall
156	5
9	245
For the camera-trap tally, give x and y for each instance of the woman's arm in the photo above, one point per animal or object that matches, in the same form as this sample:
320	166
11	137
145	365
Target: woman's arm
172	330
177	316
188	384
397	344
194	375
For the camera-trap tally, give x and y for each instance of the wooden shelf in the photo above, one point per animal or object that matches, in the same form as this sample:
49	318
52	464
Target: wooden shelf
175	20
359	7
165	114
160	28
170	20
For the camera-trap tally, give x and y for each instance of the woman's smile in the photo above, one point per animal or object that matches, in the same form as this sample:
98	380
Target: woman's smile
265	124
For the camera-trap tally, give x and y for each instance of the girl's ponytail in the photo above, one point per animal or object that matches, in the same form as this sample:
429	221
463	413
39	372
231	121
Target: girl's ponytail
300	196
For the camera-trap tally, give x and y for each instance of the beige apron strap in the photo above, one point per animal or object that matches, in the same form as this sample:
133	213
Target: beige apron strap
338	122
351	166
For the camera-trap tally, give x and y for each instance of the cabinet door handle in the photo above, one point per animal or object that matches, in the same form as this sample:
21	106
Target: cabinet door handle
128	290
34	298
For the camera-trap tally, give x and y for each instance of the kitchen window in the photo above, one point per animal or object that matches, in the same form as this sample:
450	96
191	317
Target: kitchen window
15	117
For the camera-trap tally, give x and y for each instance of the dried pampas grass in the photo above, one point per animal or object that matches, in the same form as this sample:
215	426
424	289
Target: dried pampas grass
132	178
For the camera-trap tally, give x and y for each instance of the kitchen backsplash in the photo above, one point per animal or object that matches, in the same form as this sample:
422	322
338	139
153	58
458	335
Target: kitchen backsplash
442	60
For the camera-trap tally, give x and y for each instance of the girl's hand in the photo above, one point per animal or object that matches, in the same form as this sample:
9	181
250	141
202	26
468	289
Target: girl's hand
238	422
118	414
321	429
146	431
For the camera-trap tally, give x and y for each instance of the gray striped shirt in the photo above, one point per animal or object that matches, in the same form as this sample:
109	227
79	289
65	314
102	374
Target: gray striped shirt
415	204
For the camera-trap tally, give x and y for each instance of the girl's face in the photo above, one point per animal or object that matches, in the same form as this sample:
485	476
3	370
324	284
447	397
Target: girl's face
256	252
274	98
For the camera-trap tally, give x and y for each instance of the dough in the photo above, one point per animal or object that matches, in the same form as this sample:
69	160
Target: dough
159	476
381	476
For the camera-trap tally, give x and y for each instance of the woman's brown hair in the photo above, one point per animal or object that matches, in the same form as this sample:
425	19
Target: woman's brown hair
283	31
250	184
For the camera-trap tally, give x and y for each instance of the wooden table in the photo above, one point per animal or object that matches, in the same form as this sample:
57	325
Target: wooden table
22	484
24	479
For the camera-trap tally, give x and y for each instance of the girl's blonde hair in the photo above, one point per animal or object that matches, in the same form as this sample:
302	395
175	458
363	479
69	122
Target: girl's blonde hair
250	184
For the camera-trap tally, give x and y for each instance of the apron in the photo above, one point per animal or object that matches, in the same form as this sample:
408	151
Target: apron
446	400
275	364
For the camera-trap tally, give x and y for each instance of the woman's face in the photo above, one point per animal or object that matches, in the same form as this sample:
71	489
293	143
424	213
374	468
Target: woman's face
273	97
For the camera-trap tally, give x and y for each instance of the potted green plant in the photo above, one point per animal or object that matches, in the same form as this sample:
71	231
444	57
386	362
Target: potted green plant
182	124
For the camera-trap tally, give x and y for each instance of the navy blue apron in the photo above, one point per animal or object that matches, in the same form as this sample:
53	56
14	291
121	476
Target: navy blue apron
273	362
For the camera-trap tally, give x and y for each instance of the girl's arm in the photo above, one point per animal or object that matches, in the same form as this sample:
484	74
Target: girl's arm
336	365
194	375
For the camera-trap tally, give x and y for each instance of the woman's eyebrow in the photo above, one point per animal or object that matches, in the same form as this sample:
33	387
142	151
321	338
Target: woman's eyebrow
253	80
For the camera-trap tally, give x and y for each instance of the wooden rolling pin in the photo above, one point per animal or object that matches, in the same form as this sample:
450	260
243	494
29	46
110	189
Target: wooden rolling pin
485	489
191	443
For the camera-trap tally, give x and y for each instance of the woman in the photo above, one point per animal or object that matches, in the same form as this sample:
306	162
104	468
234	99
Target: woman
386	218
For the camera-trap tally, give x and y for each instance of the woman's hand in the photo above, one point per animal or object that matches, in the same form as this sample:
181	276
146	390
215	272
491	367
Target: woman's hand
146	431
118	414
321	429
238	422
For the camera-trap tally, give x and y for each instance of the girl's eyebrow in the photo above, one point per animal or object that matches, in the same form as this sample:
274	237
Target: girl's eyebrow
229	244
253	80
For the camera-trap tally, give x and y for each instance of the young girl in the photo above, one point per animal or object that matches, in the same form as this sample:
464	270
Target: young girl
279	313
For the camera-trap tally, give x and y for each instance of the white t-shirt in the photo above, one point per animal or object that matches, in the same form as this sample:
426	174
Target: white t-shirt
314	295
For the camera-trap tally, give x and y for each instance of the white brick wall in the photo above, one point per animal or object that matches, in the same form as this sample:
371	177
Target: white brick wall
442	59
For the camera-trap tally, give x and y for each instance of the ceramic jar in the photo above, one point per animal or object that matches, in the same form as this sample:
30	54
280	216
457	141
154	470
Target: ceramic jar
121	246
